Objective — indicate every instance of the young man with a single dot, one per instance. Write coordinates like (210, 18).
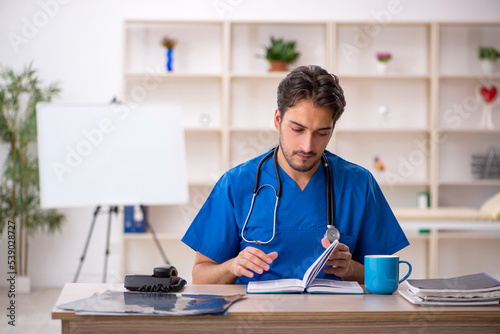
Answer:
(239, 239)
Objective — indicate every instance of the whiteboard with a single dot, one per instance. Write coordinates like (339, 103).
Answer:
(114, 154)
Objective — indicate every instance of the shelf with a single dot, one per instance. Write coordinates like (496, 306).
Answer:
(251, 129)
(405, 183)
(203, 156)
(245, 145)
(144, 23)
(228, 97)
(473, 76)
(470, 235)
(248, 38)
(472, 183)
(252, 102)
(460, 104)
(395, 131)
(202, 180)
(172, 75)
(456, 150)
(357, 46)
(201, 129)
(417, 235)
(366, 98)
(388, 76)
(469, 130)
(198, 49)
(458, 48)
(451, 226)
(259, 75)
(421, 117)
(149, 236)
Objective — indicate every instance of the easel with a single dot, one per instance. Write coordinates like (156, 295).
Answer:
(114, 209)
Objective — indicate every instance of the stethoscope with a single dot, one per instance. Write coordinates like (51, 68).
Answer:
(331, 234)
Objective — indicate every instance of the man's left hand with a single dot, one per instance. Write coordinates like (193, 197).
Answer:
(340, 260)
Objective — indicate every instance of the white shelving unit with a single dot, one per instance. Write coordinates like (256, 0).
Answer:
(459, 128)
(430, 128)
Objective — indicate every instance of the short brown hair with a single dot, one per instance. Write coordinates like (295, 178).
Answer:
(314, 84)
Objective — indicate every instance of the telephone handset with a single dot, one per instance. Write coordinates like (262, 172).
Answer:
(164, 279)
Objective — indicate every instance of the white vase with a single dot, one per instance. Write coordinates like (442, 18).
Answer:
(382, 67)
(23, 284)
(488, 117)
(487, 66)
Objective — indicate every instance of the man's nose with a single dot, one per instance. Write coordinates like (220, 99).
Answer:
(307, 143)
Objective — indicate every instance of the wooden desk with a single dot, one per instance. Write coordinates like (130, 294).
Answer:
(285, 313)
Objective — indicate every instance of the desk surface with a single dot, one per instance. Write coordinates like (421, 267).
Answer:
(285, 313)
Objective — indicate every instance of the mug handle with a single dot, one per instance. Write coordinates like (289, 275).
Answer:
(409, 271)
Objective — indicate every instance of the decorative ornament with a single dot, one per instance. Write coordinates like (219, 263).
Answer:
(383, 111)
(205, 119)
(488, 97)
(378, 164)
(169, 44)
(379, 168)
(383, 61)
(488, 94)
(486, 165)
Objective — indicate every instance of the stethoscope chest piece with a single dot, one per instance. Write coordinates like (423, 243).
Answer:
(332, 233)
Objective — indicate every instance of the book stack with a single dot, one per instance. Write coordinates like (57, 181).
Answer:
(475, 289)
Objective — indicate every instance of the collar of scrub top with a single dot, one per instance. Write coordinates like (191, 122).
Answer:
(331, 234)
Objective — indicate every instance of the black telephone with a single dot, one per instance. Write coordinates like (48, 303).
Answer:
(164, 279)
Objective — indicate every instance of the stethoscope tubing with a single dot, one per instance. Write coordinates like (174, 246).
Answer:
(260, 242)
(330, 207)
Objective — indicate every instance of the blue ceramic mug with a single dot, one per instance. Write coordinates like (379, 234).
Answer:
(382, 273)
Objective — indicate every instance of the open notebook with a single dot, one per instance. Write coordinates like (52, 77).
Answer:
(309, 283)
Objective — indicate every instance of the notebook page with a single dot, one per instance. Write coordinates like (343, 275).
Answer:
(314, 269)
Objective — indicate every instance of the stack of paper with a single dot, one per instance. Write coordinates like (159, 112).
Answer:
(476, 289)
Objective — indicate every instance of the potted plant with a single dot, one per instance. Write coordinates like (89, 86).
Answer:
(280, 53)
(169, 44)
(488, 56)
(19, 187)
(383, 59)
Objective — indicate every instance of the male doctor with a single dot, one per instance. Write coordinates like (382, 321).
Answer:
(283, 241)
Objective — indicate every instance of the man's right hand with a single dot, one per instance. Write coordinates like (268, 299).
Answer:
(251, 260)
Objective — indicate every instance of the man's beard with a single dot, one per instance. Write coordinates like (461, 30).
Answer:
(299, 168)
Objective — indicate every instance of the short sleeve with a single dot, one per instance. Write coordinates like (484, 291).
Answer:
(214, 232)
(380, 232)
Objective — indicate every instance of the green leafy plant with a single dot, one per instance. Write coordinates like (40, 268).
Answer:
(19, 187)
(280, 50)
(168, 43)
(488, 53)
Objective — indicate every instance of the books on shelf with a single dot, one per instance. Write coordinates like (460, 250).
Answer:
(309, 283)
(475, 289)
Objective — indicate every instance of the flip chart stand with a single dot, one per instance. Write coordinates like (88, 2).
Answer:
(113, 209)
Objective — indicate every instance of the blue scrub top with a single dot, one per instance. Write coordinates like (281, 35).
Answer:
(362, 215)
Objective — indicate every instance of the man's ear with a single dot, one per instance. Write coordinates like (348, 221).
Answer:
(277, 119)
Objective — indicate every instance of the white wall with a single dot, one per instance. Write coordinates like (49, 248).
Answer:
(79, 44)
